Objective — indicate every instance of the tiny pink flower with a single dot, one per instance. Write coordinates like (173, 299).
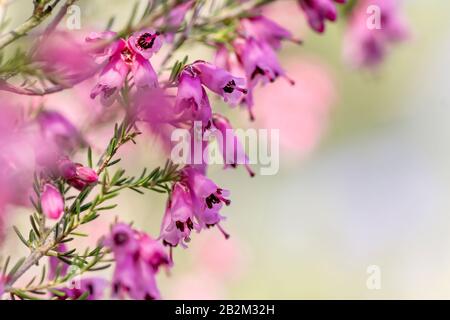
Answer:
(259, 61)
(318, 11)
(367, 47)
(207, 199)
(220, 81)
(146, 42)
(138, 259)
(266, 30)
(124, 57)
(232, 151)
(178, 219)
(192, 103)
(76, 174)
(52, 202)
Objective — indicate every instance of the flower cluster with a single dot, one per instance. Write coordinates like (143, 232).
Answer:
(138, 259)
(40, 147)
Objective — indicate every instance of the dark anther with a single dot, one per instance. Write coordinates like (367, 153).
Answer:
(146, 40)
(120, 238)
(180, 225)
(190, 224)
(229, 88)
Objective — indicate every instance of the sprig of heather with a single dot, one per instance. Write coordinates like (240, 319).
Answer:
(44, 241)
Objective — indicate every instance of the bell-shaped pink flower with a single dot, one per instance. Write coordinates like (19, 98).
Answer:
(318, 11)
(124, 57)
(232, 151)
(207, 199)
(266, 30)
(192, 103)
(138, 258)
(220, 81)
(259, 61)
(52, 202)
(178, 219)
(230, 61)
(76, 174)
(63, 56)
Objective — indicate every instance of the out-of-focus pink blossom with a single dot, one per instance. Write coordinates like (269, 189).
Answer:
(318, 11)
(178, 219)
(138, 259)
(173, 20)
(56, 128)
(52, 202)
(56, 265)
(17, 158)
(305, 112)
(64, 57)
(366, 44)
(232, 151)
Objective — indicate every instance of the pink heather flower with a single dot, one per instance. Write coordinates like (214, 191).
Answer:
(55, 264)
(230, 61)
(52, 202)
(56, 128)
(124, 57)
(94, 286)
(232, 151)
(145, 43)
(366, 47)
(207, 199)
(76, 174)
(259, 61)
(192, 102)
(64, 57)
(220, 81)
(266, 30)
(17, 156)
(318, 11)
(178, 219)
(138, 259)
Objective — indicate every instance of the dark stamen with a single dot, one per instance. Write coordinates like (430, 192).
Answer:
(146, 40)
(180, 225)
(120, 238)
